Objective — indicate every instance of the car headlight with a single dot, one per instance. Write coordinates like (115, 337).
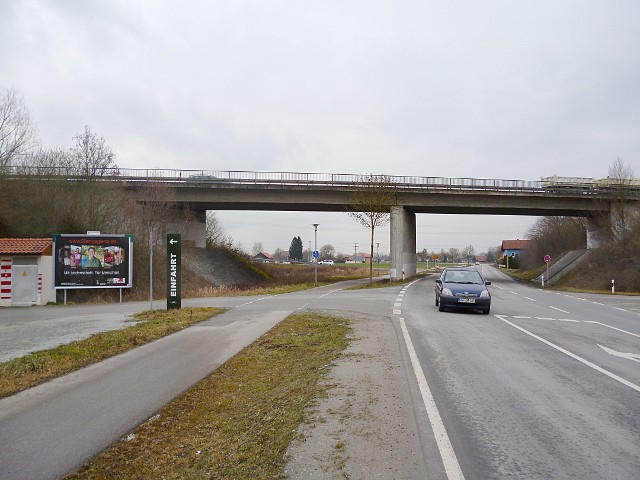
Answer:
(446, 291)
(484, 293)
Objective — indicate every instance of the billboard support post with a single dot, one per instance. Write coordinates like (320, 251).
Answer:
(174, 266)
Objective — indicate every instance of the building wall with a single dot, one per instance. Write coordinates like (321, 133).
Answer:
(45, 291)
(5, 281)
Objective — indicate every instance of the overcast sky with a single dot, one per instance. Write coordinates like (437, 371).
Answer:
(514, 89)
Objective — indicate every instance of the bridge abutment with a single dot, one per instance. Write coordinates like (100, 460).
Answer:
(594, 233)
(404, 260)
(190, 224)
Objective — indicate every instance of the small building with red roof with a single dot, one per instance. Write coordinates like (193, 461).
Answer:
(512, 248)
(264, 256)
(26, 272)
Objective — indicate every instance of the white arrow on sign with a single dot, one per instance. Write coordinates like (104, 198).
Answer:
(172, 241)
(631, 356)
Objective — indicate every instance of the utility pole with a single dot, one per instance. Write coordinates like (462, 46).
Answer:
(355, 252)
(315, 249)
(378, 251)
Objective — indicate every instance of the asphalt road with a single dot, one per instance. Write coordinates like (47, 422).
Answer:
(546, 386)
(53, 429)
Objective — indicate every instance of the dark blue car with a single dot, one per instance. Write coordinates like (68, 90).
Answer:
(462, 288)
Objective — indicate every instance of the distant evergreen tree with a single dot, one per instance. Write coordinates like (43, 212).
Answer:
(295, 250)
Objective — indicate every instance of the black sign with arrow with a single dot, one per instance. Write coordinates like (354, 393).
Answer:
(174, 263)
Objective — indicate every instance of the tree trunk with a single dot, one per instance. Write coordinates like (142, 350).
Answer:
(371, 257)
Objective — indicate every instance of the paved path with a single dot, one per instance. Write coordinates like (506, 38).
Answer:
(52, 429)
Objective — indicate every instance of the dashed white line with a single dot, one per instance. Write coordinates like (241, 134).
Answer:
(532, 299)
(558, 309)
(621, 309)
(449, 459)
(573, 355)
(514, 293)
(521, 317)
(544, 318)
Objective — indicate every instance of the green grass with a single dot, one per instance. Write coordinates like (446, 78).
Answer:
(238, 422)
(39, 367)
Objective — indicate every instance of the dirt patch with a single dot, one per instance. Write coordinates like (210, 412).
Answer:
(365, 428)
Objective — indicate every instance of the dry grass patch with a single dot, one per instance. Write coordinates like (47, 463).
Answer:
(385, 282)
(238, 422)
(235, 291)
(39, 367)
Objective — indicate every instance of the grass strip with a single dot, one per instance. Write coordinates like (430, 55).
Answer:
(238, 422)
(385, 282)
(38, 367)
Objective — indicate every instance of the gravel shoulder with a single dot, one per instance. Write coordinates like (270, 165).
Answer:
(365, 428)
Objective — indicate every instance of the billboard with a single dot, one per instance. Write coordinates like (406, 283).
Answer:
(92, 261)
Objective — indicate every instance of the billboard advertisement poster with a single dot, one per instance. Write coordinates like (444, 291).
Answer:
(93, 261)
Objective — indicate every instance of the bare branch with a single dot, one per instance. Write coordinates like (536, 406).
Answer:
(17, 135)
(371, 206)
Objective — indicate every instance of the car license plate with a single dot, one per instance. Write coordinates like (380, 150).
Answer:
(466, 300)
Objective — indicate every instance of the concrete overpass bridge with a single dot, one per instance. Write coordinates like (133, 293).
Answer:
(197, 191)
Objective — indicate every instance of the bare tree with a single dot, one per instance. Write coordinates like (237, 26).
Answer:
(468, 252)
(92, 157)
(17, 134)
(623, 213)
(371, 206)
(257, 248)
(327, 251)
(215, 233)
(553, 236)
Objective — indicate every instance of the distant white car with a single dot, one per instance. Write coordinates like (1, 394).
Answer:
(325, 262)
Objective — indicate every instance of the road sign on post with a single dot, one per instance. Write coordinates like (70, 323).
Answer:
(174, 264)
(547, 259)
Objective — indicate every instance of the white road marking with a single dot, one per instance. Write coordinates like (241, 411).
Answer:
(449, 459)
(568, 320)
(598, 303)
(533, 300)
(397, 312)
(397, 304)
(621, 309)
(558, 309)
(629, 356)
(512, 292)
(522, 317)
(573, 355)
(544, 318)
(614, 328)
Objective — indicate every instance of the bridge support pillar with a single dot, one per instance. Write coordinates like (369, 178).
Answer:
(190, 224)
(404, 260)
(594, 234)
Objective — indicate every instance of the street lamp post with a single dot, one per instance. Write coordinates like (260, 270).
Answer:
(378, 251)
(315, 249)
(355, 252)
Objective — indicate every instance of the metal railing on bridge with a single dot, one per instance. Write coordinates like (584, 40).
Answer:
(217, 178)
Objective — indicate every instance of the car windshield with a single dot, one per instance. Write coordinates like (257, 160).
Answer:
(463, 276)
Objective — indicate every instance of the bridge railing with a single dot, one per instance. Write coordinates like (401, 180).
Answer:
(317, 180)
